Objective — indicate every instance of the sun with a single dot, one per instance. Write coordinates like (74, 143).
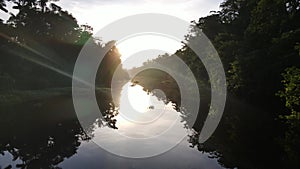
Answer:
(158, 44)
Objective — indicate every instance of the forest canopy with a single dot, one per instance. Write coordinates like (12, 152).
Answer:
(258, 42)
(40, 44)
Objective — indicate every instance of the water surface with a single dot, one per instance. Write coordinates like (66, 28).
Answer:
(47, 134)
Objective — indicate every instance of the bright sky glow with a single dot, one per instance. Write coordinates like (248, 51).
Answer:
(154, 43)
(99, 13)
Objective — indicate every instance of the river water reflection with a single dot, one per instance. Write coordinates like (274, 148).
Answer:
(145, 125)
(47, 134)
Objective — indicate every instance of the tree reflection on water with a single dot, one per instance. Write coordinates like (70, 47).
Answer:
(43, 134)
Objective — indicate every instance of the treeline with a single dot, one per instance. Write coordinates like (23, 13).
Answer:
(40, 44)
(258, 42)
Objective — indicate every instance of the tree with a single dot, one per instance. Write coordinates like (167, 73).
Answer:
(41, 43)
(291, 95)
(291, 92)
(3, 6)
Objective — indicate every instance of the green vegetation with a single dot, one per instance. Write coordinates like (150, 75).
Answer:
(258, 43)
(39, 46)
(291, 92)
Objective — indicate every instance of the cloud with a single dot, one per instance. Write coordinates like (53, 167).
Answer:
(186, 9)
(99, 13)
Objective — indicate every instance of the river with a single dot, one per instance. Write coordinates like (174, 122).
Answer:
(47, 134)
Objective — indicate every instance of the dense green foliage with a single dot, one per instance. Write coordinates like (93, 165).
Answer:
(291, 92)
(258, 43)
(39, 46)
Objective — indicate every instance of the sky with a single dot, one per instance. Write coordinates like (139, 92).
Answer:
(100, 13)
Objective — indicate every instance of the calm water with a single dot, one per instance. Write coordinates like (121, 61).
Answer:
(47, 134)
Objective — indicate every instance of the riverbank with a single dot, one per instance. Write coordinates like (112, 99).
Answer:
(23, 96)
